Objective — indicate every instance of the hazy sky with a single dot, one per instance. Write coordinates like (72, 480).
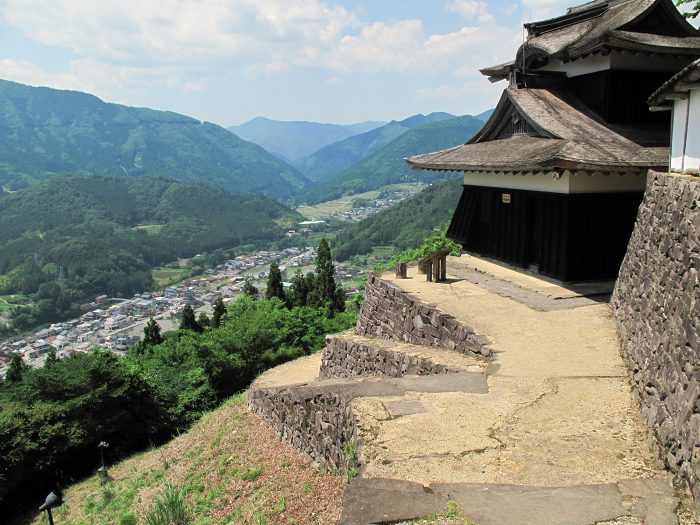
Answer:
(227, 61)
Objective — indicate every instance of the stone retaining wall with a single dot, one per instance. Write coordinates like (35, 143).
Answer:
(656, 303)
(347, 358)
(390, 313)
(320, 423)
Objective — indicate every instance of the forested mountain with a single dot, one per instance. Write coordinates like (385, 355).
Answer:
(403, 226)
(46, 132)
(71, 237)
(386, 166)
(334, 158)
(294, 139)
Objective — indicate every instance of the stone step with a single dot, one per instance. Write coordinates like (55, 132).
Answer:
(348, 355)
(640, 501)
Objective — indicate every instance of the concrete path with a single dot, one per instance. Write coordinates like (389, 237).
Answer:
(546, 434)
(558, 411)
(646, 502)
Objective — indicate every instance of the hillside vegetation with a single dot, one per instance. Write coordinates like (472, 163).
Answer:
(229, 468)
(53, 418)
(294, 139)
(71, 237)
(48, 132)
(387, 165)
(403, 226)
(334, 158)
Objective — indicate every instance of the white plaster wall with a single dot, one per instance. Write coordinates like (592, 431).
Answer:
(568, 182)
(679, 121)
(582, 182)
(692, 146)
(616, 60)
(590, 64)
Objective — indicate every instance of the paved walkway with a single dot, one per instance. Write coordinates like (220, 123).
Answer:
(547, 433)
(558, 410)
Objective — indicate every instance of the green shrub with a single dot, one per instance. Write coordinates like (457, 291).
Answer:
(169, 508)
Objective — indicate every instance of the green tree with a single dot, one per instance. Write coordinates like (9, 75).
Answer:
(151, 333)
(17, 369)
(326, 292)
(249, 288)
(219, 313)
(695, 9)
(188, 321)
(275, 288)
(203, 320)
(301, 286)
(51, 358)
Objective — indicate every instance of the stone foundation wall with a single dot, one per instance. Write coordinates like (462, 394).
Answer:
(318, 422)
(656, 303)
(347, 358)
(390, 313)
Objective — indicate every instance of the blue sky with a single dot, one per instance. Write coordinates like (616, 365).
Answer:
(226, 61)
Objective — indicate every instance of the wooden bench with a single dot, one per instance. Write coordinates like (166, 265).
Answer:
(434, 265)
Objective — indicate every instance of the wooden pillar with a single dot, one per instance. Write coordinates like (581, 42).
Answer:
(401, 272)
(429, 270)
(443, 268)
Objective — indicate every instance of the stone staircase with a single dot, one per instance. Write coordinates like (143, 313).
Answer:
(413, 403)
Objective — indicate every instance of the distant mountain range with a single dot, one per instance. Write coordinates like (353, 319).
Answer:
(292, 140)
(334, 158)
(46, 132)
(386, 165)
(485, 115)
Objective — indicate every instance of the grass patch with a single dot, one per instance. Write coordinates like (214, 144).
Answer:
(452, 516)
(240, 480)
(164, 277)
(169, 508)
(149, 228)
(343, 204)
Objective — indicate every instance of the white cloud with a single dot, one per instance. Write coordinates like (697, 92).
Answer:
(534, 10)
(120, 48)
(472, 10)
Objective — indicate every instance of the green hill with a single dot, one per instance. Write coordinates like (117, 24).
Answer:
(386, 166)
(47, 132)
(334, 158)
(70, 237)
(403, 226)
(294, 139)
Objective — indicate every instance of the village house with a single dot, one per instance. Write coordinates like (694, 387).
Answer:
(553, 180)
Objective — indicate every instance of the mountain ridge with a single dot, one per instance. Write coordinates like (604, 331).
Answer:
(71, 132)
(386, 165)
(293, 139)
(334, 158)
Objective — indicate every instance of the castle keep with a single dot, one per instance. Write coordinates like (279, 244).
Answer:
(553, 181)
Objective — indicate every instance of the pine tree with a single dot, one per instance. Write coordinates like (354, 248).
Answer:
(151, 333)
(51, 358)
(219, 313)
(249, 288)
(203, 320)
(275, 288)
(301, 285)
(188, 321)
(326, 290)
(16, 370)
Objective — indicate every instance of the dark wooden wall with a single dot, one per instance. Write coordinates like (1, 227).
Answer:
(620, 97)
(568, 237)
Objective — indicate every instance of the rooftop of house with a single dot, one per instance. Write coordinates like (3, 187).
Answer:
(639, 26)
(561, 133)
(680, 82)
